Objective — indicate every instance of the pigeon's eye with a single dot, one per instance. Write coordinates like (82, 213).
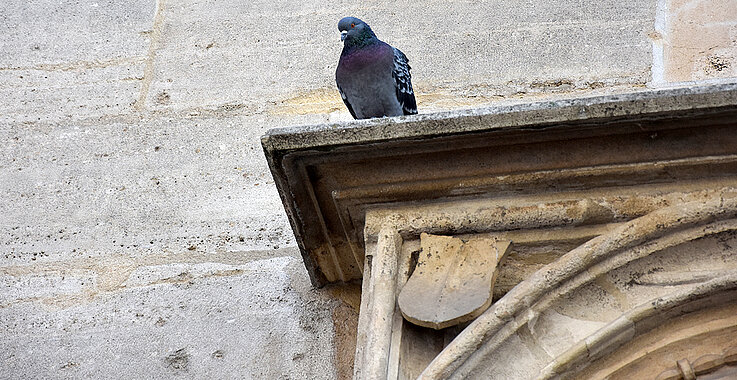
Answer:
(353, 25)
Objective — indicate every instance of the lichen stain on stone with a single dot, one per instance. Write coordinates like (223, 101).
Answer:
(321, 100)
(348, 293)
(163, 98)
(327, 100)
(716, 64)
(640, 205)
(345, 325)
(178, 360)
(67, 301)
(439, 100)
(432, 97)
(558, 84)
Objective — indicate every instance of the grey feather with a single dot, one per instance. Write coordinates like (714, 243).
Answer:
(403, 82)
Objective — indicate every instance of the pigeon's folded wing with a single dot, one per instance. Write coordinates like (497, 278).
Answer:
(403, 83)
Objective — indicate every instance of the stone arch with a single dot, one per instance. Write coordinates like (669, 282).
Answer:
(652, 271)
(692, 326)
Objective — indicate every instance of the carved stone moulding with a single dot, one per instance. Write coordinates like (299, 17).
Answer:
(329, 175)
(657, 242)
(603, 229)
(620, 305)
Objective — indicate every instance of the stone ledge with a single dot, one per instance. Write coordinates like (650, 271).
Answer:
(683, 100)
(329, 175)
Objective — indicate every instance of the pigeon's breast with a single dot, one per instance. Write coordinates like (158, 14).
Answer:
(369, 57)
(365, 79)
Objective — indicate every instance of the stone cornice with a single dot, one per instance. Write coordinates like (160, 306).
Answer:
(328, 176)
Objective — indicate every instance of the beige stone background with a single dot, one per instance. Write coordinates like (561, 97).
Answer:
(699, 39)
(141, 234)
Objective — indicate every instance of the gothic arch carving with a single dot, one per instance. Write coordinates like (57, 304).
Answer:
(547, 325)
(643, 184)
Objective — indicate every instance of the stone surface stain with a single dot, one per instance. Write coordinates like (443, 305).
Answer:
(178, 360)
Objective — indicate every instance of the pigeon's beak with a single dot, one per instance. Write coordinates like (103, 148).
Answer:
(343, 34)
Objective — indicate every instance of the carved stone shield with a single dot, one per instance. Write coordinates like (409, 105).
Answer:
(453, 280)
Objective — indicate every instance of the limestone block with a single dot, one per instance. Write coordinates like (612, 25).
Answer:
(453, 281)
(63, 59)
(700, 40)
(81, 190)
(213, 54)
(251, 320)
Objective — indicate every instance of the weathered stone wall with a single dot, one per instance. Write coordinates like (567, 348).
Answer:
(140, 231)
(695, 40)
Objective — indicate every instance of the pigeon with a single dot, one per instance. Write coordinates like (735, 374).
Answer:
(373, 77)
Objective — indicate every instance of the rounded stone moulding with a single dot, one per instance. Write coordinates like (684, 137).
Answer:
(621, 305)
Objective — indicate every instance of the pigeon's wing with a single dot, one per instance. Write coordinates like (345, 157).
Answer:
(347, 104)
(403, 83)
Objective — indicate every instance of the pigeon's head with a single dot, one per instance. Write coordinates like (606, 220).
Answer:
(354, 30)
